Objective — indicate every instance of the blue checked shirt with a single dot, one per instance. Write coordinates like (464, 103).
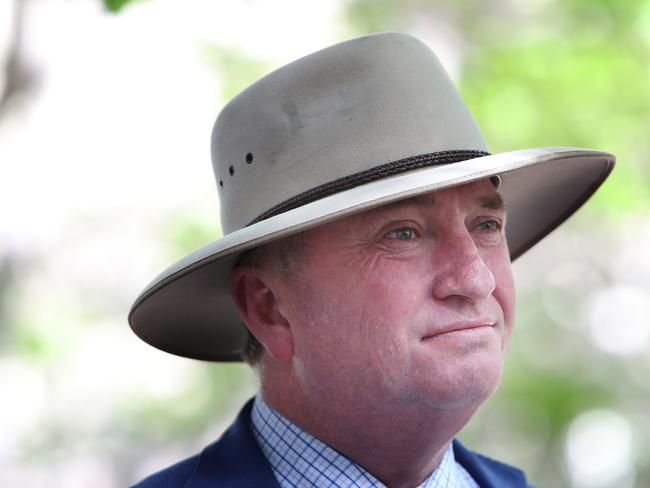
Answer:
(298, 459)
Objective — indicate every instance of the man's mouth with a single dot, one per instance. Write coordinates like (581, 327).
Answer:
(462, 327)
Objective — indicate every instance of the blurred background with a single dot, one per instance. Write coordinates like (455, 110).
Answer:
(105, 179)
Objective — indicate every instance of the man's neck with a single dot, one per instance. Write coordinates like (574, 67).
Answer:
(400, 446)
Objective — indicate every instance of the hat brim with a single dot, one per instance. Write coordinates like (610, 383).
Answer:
(187, 310)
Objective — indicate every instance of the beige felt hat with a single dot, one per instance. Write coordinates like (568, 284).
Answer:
(353, 126)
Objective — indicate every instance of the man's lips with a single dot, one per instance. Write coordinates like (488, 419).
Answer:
(460, 326)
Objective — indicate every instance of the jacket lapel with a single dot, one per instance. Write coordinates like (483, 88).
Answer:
(487, 472)
(234, 461)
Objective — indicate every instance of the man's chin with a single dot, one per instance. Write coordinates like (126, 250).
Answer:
(466, 386)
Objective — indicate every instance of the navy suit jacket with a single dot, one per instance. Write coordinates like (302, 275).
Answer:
(236, 461)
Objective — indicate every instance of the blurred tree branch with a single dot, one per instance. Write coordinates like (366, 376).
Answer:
(18, 78)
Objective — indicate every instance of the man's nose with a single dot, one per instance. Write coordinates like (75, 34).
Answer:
(460, 270)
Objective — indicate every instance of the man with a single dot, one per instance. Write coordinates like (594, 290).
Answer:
(367, 254)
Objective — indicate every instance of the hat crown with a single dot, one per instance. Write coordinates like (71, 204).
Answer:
(333, 114)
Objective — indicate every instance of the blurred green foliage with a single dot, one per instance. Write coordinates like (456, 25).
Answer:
(206, 397)
(558, 92)
(186, 232)
(368, 16)
(236, 68)
(116, 6)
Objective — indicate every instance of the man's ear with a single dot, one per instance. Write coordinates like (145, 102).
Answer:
(260, 311)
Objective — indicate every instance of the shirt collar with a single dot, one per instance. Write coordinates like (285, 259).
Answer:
(299, 459)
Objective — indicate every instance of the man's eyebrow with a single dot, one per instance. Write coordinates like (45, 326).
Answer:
(492, 202)
(426, 200)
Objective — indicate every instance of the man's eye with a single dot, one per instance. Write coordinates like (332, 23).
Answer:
(490, 226)
(403, 234)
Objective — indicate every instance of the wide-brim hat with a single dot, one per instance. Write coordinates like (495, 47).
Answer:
(351, 127)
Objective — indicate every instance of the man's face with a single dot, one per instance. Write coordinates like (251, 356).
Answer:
(411, 303)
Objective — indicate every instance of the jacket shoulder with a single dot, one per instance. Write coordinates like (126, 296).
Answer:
(172, 476)
(488, 472)
(233, 461)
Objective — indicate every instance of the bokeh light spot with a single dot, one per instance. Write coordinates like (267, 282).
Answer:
(619, 319)
(599, 449)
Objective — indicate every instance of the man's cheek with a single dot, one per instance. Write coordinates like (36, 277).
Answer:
(504, 294)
